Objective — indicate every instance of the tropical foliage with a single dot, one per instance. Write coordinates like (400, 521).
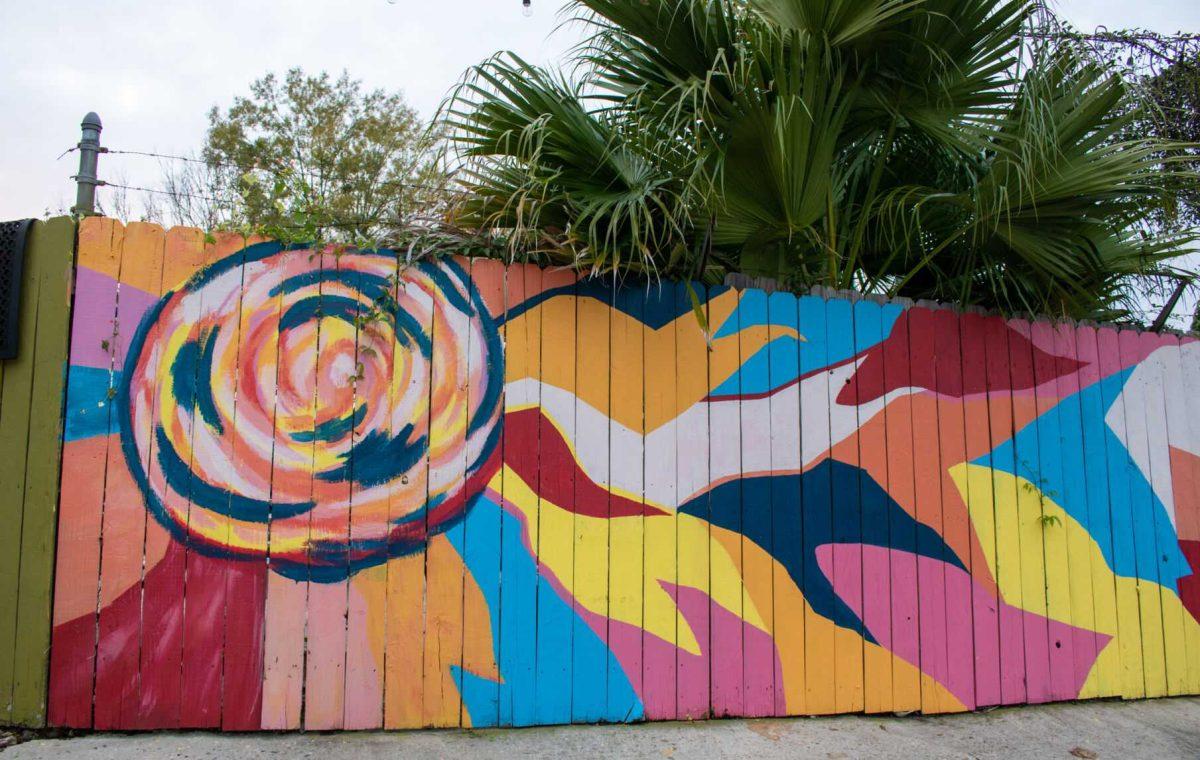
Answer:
(922, 148)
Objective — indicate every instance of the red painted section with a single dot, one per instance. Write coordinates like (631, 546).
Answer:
(162, 641)
(146, 672)
(869, 382)
(529, 430)
(1189, 585)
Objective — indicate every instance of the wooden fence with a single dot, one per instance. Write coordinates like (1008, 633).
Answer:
(332, 489)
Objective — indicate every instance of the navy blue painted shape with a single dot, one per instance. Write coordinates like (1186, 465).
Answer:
(864, 519)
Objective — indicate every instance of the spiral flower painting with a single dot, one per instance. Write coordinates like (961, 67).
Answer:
(333, 488)
(299, 395)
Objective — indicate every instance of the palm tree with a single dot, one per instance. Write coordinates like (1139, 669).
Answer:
(910, 147)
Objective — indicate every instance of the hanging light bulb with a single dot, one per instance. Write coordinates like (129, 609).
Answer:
(526, 8)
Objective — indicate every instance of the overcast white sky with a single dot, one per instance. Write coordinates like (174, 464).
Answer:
(153, 68)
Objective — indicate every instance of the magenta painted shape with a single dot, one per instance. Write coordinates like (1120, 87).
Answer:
(960, 588)
(92, 324)
(633, 647)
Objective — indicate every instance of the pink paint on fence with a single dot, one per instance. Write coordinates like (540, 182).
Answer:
(958, 585)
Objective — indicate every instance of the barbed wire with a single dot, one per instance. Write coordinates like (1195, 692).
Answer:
(338, 223)
(256, 167)
(229, 204)
(172, 193)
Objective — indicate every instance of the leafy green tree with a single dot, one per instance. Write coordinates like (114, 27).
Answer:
(915, 148)
(306, 156)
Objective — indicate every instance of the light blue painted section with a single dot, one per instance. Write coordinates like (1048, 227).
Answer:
(1139, 518)
(868, 325)
(88, 402)
(1093, 452)
(516, 610)
(482, 531)
(751, 310)
(814, 350)
(839, 330)
(755, 376)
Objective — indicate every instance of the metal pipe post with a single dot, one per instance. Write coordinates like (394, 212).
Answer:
(89, 159)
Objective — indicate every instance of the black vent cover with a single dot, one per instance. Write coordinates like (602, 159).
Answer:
(12, 257)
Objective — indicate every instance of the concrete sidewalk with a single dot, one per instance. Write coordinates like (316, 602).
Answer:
(1165, 728)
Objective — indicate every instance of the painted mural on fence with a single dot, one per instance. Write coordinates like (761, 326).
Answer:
(333, 489)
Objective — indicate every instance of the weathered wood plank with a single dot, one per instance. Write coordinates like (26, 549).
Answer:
(901, 484)
(589, 681)
(47, 274)
(787, 517)
(816, 496)
(977, 491)
(661, 552)
(693, 697)
(1141, 499)
(626, 559)
(727, 689)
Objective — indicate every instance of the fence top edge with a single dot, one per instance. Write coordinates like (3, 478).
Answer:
(737, 281)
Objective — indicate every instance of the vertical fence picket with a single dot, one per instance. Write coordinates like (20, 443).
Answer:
(901, 486)
(589, 673)
(1030, 532)
(1073, 500)
(30, 398)
(516, 594)
(1046, 477)
(1004, 488)
(931, 579)
(845, 503)
(758, 656)
(314, 709)
(660, 635)
(875, 580)
(693, 696)
(786, 527)
(816, 497)
(956, 526)
(18, 377)
(1094, 477)
(978, 485)
(626, 559)
(1125, 554)
(482, 531)
(51, 247)
(556, 476)
(725, 463)
(81, 511)
(366, 592)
